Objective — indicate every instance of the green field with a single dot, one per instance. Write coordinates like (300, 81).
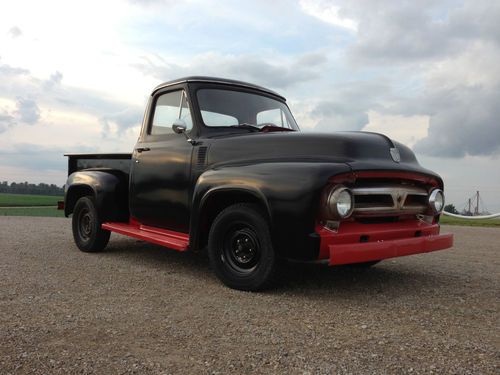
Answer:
(31, 211)
(29, 205)
(447, 220)
(17, 200)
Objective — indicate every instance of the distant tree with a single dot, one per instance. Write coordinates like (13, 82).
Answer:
(27, 188)
(450, 208)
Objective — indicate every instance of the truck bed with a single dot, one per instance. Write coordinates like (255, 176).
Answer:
(118, 161)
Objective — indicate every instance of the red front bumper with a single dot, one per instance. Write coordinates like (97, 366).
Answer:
(356, 243)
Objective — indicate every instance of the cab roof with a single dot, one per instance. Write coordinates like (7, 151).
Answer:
(223, 81)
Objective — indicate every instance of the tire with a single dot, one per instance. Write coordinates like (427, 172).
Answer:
(240, 250)
(86, 223)
(363, 264)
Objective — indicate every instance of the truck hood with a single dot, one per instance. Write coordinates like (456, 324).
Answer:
(359, 150)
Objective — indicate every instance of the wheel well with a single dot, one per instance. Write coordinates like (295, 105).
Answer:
(218, 202)
(74, 193)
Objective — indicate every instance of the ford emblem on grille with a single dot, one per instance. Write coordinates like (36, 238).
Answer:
(395, 155)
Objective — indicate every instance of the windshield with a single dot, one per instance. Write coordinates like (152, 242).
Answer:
(229, 108)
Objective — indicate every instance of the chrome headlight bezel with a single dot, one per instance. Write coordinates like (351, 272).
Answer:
(436, 201)
(334, 199)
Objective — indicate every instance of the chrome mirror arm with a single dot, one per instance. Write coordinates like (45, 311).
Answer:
(179, 127)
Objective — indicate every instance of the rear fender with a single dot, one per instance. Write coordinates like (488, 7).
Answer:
(109, 190)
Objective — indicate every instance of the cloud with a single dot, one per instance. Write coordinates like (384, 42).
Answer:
(467, 122)
(415, 31)
(37, 157)
(15, 32)
(146, 3)
(432, 59)
(6, 121)
(311, 59)
(7, 70)
(50, 94)
(54, 80)
(270, 72)
(348, 105)
(121, 121)
(27, 111)
(328, 12)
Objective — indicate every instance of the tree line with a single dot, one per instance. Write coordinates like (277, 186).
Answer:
(27, 188)
(451, 208)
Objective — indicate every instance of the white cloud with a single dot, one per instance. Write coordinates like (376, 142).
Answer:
(85, 41)
(404, 129)
(274, 71)
(15, 32)
(440, 60)
(328, 12)
(27, 110)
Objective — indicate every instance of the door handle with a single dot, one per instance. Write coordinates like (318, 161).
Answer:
(141, 149)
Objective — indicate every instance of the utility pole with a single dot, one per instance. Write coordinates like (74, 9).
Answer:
(469, 212)
(476, 211)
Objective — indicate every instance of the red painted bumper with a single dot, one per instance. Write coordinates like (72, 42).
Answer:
(356, 243)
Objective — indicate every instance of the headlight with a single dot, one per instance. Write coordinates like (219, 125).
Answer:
(436, 200)
(340, 203)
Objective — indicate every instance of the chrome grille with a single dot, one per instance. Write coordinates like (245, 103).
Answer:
(389, 200)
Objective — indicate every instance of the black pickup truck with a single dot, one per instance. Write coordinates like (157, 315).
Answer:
(221, 166)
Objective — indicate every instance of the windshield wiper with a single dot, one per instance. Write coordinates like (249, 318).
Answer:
(273, 128)
(246, 126)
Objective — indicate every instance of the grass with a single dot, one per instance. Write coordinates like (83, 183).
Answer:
(17, 200)
(29, 205)
(447, 220)
(31, 211)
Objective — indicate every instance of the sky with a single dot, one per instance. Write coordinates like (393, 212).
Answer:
(75, 76)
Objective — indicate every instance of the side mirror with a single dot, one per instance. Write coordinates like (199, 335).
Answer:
(179, 126)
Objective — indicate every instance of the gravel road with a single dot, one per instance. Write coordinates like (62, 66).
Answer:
(138, 308)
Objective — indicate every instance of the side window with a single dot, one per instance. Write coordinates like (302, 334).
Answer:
(273, 116)
(170, 107)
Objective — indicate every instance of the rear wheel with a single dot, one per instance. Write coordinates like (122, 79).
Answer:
(240, 249)
(87, 231)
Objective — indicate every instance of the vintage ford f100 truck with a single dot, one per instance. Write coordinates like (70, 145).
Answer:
(221, 165)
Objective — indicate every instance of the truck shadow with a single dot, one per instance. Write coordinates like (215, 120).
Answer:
(401, 278)
(386, 279)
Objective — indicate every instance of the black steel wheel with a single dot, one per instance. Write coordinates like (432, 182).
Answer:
(87, 231)
(240, 249)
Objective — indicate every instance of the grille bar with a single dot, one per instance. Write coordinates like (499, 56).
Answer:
(389, 200)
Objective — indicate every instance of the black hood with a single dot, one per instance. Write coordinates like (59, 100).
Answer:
(359, 150)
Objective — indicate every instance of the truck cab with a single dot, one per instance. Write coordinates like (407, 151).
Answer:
(222, 166)
(166, 165)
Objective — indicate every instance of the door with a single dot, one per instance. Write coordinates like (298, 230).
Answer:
(160, 175)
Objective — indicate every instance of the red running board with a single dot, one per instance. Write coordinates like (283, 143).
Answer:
(173, 240)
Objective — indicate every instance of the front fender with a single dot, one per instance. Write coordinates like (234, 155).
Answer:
(242, 189)
(288, 192)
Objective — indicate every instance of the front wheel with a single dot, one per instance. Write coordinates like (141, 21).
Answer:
(240, 249)
(87, 231)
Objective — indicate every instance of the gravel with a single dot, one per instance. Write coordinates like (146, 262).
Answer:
(138, 308)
